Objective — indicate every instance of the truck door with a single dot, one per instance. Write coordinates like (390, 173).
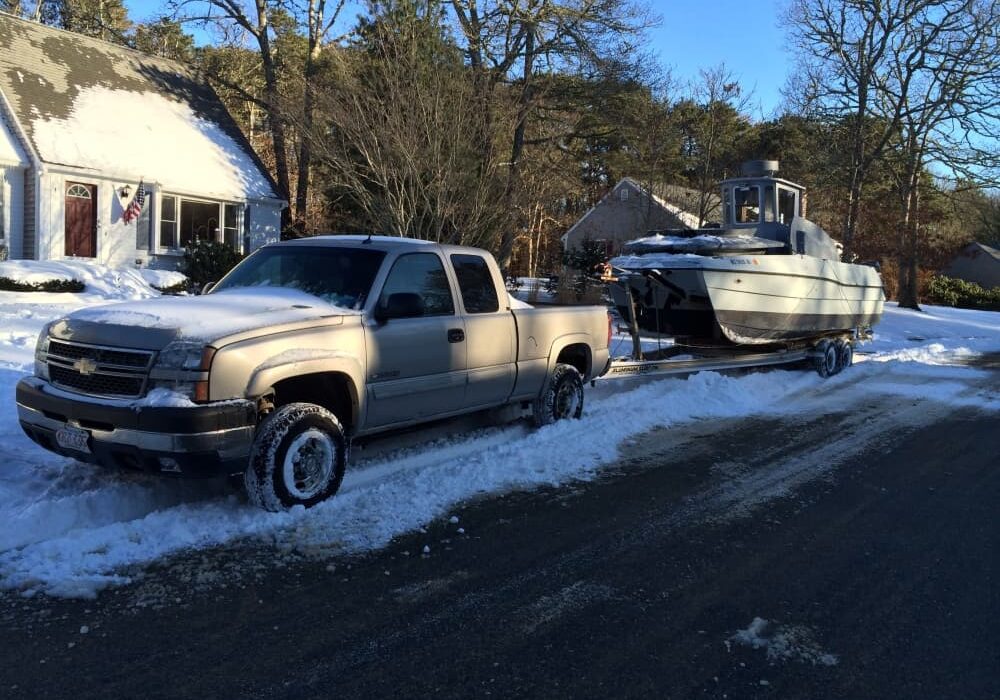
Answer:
(417, 357)
(490, 334)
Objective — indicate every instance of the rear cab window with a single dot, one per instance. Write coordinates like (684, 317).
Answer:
(475, 282)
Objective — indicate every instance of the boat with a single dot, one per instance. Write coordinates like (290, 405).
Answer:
(765, 275)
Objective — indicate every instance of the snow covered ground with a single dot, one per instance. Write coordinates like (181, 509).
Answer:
(72, 529)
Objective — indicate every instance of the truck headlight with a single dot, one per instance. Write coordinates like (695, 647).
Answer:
(42, 352)
(186, 363)
(183, 354)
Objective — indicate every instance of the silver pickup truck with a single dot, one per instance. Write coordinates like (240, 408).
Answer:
(300, 348)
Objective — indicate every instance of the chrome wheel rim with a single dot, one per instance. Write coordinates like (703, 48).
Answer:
(308, 464)
(567, 401)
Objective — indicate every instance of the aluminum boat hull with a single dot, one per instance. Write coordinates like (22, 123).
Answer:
(748, 299)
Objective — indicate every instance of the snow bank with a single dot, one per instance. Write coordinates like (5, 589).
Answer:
(109, 283)
(72, 529)
(162, 279)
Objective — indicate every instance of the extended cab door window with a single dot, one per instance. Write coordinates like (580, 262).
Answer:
(479, 293)
(490, 335)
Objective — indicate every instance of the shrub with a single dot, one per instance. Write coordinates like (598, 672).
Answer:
(72, 286)
(948, 291)
(208, 261)
(174, 289)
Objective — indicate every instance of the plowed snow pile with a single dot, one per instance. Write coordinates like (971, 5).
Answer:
(71, 529)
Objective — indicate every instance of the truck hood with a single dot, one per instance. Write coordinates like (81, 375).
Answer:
(153, 323)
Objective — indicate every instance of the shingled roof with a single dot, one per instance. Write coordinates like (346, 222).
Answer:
(88, 104)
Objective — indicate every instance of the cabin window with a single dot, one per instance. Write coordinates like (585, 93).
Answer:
(184, 221)
(786, 205)
(747, 201)
(623, 194)
(769, 203)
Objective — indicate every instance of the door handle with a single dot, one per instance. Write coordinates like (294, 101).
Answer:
(456, 335)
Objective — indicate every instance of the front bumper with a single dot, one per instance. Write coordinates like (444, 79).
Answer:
(204, 440)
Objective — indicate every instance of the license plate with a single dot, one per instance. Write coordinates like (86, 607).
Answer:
(73, 439)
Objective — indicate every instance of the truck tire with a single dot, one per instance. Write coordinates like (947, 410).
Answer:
(298, 458)
(561, 398)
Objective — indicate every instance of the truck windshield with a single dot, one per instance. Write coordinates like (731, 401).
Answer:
(339, 276)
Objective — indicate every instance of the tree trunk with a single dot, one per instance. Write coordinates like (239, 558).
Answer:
(509, 236)
(305, 141)
(272, 98)
(906, 292)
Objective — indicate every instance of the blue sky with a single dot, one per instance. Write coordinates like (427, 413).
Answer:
(693, 35)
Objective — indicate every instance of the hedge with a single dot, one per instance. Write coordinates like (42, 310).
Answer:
(9, 285)
(948, 291)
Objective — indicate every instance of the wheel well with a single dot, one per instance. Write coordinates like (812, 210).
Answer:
(332, 390)
(577, 355)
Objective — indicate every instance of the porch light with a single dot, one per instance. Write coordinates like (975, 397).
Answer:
(124, 192)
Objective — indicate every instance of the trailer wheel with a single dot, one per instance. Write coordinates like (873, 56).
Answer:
(845, 355)
(826, 359)
(298, 458)
(561, 398)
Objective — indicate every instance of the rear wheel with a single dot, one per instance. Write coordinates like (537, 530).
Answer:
(845, 355)
(825, 359)
(561, 398)
(298, 458)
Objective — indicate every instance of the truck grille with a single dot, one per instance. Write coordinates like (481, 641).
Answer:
(97, 370)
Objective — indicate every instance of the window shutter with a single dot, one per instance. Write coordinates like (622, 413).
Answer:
(144, 225)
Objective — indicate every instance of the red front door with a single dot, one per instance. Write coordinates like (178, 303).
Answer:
(81, 220)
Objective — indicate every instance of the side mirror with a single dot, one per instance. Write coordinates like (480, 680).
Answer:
(400, 305)
(208, 286)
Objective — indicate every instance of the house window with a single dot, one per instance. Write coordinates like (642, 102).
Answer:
(184, 221)
(168, 222)
(79, 191)
(623, 194)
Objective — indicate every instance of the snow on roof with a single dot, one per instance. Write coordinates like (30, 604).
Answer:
(96, 106)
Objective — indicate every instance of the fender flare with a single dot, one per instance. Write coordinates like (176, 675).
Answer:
(273, 371)
(564, 341)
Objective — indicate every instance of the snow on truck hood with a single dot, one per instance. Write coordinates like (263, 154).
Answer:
(151, 324)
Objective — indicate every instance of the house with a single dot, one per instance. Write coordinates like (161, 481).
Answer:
(977, 263)
(83, 122)
(630, 210)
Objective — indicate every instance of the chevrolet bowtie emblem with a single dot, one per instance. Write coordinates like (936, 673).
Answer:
(85, 366)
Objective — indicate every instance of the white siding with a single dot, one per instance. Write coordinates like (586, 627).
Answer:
(12, 214)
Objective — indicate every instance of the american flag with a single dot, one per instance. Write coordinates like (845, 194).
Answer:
(135, 206)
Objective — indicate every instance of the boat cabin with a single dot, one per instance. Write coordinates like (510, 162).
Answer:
(759, 197)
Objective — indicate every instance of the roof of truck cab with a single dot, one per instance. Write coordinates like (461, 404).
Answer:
(385, 243)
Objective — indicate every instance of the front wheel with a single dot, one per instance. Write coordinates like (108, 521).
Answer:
(298, 458)
(561, 398)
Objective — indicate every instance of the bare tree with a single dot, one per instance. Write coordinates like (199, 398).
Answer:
(916, 77)
(235, 19)
(844, 47)
(404, 140)
(516, 42)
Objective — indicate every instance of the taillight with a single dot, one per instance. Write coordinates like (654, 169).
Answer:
(609, 330)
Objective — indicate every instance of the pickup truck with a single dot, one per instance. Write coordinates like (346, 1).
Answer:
(302, 347)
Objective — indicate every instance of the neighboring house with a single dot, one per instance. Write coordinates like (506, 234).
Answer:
(83, 122)
(630, 210)
(977, 263)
